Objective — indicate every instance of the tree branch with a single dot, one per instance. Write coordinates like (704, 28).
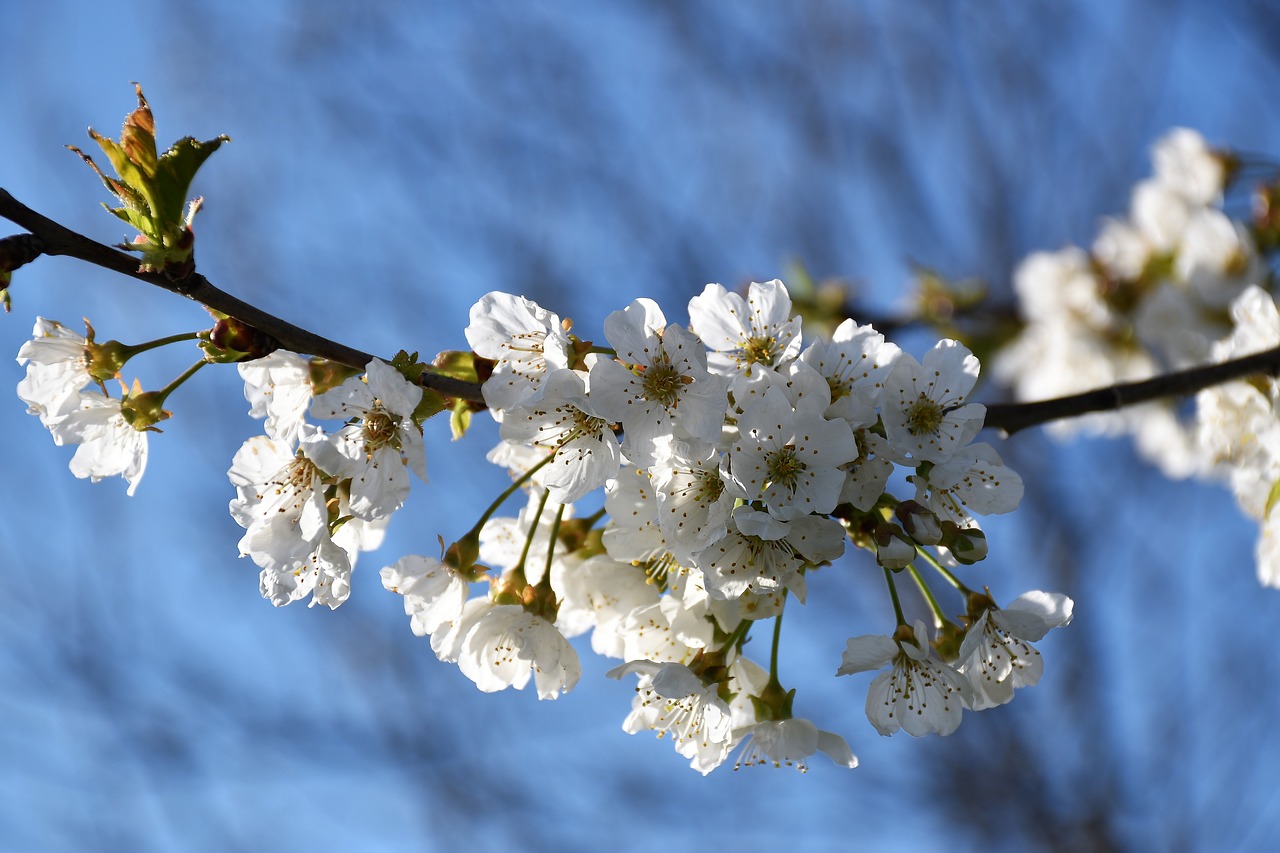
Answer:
(50, 238)
(1011, 417)
(55, 239)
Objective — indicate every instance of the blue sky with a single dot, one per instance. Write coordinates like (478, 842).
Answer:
(392, 163)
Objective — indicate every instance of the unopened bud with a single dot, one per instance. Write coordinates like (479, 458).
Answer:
(919, 522)
(231, 340)
(893, 549)
(969, 545)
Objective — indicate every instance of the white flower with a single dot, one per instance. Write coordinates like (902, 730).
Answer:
(668, 390)
(1268, 552)
(919, 694)
(526, 340)
(632, 534)
(997, 656)
(108, 444)
(324, 574)
(855, 364)
(565, 420)
(278, 388)
(789, 460)
(505, 645)
(1186, 164)
(600, 594)
(791, 742)
(762, 554)
(378, 442)
(746, 336)
(670, 698)
(974, 481)
(434, 594)
(868, 475)
(925, 416)
(692, 504)
(280, 502)
(57, 368)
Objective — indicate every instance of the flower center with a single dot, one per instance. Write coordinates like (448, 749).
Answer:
(379, 428)
(661, 384)
(708, 487)
(923, 416)
(784, 467)
(760, 350)
(584, 426)
(840, 388)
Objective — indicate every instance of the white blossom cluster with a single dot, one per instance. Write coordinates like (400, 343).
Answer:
(1238, 426)
(1151, 295)
(735, 461)
(1176, 284)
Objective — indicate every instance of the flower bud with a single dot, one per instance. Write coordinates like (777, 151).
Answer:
(969, 545)
(231, 340)
(919, 522)
(893, 549)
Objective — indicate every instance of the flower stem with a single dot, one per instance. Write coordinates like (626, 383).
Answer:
(164, 392)
(533, 528)
(551, 543)
(942, 570)
(938, 616)
(893, 593)
(161, 342)
(502, 498)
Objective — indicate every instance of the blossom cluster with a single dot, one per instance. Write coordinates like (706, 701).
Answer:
(1175, 284)
(734, 460)
(1152, 294)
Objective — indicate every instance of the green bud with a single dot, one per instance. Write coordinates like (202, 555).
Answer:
(969, 545)
(919, 522)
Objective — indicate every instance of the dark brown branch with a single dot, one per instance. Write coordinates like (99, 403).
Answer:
(1011, 417)
(55, 239)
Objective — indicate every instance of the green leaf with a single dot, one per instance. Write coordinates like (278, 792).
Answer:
(431, 404)
(153, 188)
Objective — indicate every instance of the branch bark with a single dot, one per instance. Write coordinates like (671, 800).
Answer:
(56, 239)
(1011, 417)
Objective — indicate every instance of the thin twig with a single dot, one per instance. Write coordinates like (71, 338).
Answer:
(56, 239)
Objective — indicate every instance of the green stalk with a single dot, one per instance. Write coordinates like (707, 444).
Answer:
(893, 593)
